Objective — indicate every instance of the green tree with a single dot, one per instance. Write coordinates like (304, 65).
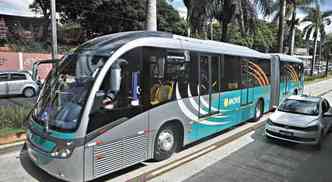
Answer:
(318, 20)
(169, 19)
(43, 7)
(244, 12)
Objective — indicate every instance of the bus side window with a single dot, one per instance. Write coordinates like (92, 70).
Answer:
(231, 76)
(119, 96)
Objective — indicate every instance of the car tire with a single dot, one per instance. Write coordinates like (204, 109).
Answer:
(166, 142)
(258, 110)
(29, 92)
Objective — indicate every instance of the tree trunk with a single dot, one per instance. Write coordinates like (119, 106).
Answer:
(314, 55)
(205, 29)
(211, 30)
(327, 61)
(293, 28)
(151, 15)
(45, 31)
(188, 31)
(281, 25)
(224, 31)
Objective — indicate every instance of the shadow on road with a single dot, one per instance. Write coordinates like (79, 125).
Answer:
(32, 169)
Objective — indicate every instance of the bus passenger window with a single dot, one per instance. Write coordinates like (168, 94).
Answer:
(119, 96)
(231, 76)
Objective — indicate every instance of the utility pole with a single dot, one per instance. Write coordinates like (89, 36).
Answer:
(54, 32)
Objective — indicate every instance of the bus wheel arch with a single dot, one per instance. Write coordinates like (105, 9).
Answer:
(173, 130)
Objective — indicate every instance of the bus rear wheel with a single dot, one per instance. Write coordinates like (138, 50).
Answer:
(258, 110)
(166, 142)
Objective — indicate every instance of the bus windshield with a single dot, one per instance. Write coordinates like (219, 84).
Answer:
(65, 91)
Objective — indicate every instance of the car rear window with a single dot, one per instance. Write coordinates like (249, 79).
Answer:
(17, 77)
(3, 77)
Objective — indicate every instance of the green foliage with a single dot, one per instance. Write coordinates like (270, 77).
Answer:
(3, 42)
(169, 19)
(13, 117)
(8, 131)
(99, 17)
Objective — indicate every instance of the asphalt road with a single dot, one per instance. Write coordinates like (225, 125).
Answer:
(271, 161)
(257, 159)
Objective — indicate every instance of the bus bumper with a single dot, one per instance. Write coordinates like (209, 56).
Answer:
(69, 169)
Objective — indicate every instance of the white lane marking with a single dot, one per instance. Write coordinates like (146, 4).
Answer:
(189, 169)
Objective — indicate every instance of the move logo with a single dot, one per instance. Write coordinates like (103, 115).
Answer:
(231, 101)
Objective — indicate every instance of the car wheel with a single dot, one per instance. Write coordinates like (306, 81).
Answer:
(258, 110)
(29, 92)
(166, 142)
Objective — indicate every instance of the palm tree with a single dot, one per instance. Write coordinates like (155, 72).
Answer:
(188, 4)
(281, 32)
(317, 21)
(296, 21)
(151, 15)
(243, 11)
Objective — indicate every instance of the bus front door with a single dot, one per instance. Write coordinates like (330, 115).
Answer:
(209, 85)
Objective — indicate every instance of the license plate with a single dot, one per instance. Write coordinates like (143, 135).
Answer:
(286, 133)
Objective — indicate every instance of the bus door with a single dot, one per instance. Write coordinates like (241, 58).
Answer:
(209, 85)
(247, 90)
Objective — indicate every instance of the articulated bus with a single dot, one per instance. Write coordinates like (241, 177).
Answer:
(124, 98)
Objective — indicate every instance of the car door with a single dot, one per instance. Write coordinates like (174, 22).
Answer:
(16, 83)
(3, 84)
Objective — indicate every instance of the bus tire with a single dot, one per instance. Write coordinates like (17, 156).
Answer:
(166, 142)
(258, 110)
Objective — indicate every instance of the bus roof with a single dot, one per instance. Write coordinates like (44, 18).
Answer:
(288, 58)
(104, 45)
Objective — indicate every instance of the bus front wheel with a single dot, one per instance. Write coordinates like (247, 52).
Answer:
(166, 142)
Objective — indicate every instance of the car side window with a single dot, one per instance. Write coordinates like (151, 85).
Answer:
(3, 77)
(15, 76)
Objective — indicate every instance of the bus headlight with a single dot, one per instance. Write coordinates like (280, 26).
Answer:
(63, 151)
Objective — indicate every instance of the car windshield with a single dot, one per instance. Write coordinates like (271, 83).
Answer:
(299, 107)
(65, 91)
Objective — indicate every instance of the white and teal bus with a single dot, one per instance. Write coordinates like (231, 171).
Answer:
(124, 98)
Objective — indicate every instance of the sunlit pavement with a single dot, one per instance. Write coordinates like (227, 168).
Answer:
(249, 158)
(258, 160)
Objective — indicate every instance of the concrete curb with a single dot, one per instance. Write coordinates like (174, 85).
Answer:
(6, 148)
(190, 154)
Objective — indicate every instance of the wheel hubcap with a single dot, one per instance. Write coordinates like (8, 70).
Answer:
(29, 92)
(166, 140)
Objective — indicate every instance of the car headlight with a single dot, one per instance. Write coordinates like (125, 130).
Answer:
(63, 151)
